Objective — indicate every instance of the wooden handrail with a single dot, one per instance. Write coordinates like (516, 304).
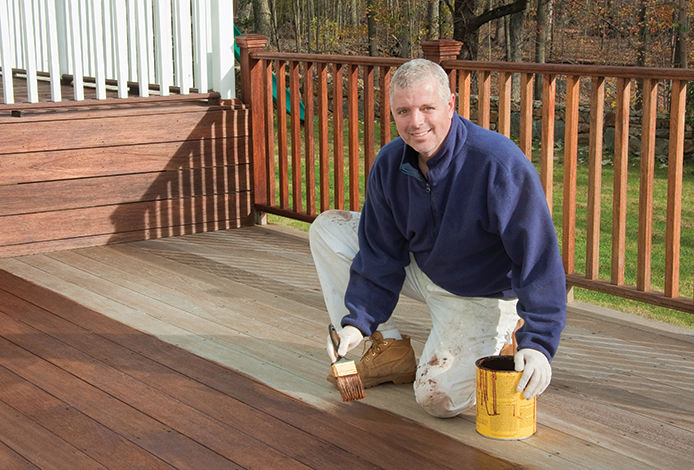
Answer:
(360, 94)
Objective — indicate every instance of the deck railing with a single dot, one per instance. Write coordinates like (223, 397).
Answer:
(155, 46)
(305, 166)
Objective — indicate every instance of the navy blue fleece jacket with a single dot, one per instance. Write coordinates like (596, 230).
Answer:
(478, 226)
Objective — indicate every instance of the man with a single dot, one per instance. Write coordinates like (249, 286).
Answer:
(455, 216)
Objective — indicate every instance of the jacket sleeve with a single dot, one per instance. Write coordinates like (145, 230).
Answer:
(378, 270)
(519, 208)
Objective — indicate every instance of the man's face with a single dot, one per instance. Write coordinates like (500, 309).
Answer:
(422, 117)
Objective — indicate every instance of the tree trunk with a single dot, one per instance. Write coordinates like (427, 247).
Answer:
(543, 8)
(371, 27)
(445, 20)
(261, 13)
(433, 20)
(355, 16)
(515, 34)
(681, 32)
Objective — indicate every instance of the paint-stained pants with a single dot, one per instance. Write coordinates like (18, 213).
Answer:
(463, 328)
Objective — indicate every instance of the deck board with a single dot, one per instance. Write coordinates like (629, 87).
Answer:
(81, 390)
(248, 300)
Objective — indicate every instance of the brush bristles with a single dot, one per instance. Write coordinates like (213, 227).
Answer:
(348, 381)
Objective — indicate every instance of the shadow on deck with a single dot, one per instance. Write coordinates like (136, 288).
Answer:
(76, 384)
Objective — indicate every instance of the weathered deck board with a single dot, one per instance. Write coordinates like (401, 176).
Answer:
(248, 298)
(80, 390)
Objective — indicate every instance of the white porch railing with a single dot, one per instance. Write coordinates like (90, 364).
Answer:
(156, 44)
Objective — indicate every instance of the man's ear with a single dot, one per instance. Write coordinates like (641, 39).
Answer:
(451, 105)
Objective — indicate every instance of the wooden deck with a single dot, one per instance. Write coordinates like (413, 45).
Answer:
(80, 390)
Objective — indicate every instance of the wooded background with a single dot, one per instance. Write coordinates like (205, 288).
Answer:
(651, 33)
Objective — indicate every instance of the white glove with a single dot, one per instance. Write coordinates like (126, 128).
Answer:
(537, 372)
(350, 337)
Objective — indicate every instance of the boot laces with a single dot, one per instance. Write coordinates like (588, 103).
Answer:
(375, 346)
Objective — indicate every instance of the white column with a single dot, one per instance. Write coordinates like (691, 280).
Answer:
(222, 19)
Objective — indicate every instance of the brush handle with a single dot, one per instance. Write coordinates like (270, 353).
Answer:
(335, 338)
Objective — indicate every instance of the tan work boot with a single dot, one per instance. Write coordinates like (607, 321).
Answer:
(386, 360)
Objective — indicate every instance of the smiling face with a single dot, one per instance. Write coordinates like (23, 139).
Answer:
(422, 116)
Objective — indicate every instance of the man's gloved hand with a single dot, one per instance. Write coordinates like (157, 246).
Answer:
(350, 337)
(537, 372)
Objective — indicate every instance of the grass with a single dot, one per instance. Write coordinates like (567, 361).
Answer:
(659, 223)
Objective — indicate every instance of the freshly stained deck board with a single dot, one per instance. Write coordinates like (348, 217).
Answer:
(249, 299)
(72, 376)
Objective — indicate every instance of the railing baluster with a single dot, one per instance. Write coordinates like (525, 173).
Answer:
(338, 139)
(369, 124)
(570, 164)
(647, 172)
(142, 63)
(296, 130)
(5, 56)
(353, 134)
(200, 46)
(323, 137)
(597, 119)
(119, 13)
(385, 105)
(678, 97)
(549, 84)
(77, 71)
(98, 44)
(184, 58)
(162, 30)
(484, 97)
(53, 54)
(526, 115)
(309, 143)
(269, 134)
(621, 161)
(504, 107)
(464, 93)
(282, 134)
(28, 23)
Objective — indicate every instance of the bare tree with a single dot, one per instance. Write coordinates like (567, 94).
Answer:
(466, 23)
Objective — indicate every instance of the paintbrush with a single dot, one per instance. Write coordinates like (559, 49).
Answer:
(345, 371)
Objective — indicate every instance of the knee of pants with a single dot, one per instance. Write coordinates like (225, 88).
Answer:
(331, 222)
(443, 401)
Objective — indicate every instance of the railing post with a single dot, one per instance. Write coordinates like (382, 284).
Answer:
(252, 93)
(440, 50)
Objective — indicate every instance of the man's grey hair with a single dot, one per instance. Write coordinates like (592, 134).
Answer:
(417, 70)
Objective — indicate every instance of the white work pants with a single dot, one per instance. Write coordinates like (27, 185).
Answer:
(463, 328)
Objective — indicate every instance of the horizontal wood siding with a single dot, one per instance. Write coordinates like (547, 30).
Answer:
(104, 174)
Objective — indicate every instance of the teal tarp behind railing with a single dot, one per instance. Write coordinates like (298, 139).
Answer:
(237, 54)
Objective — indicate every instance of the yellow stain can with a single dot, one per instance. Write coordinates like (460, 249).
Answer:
(502, 412)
